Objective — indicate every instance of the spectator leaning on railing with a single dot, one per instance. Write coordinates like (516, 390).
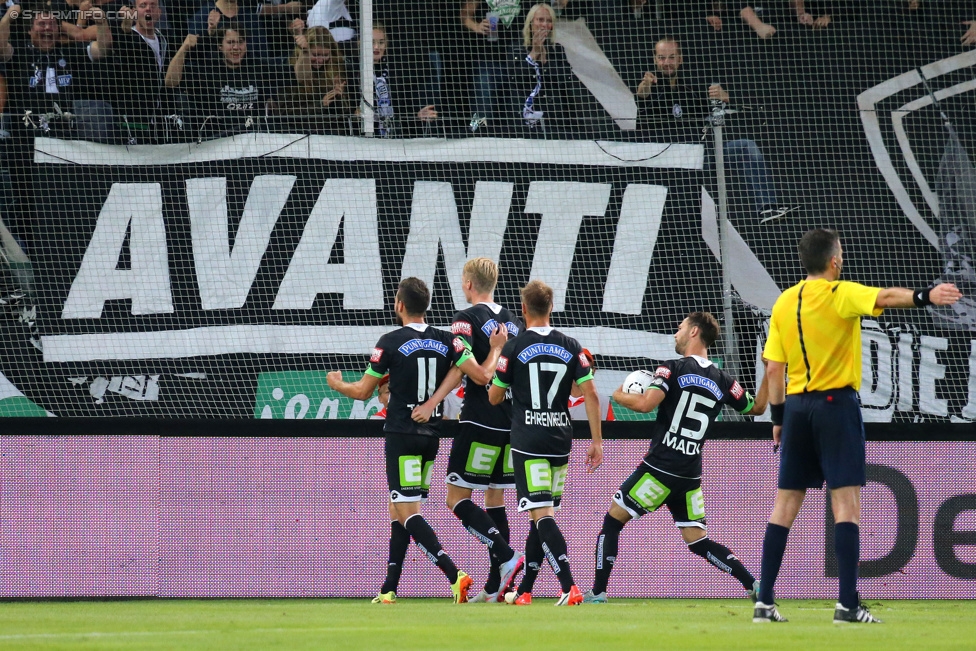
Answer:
(493, 29)
(746, 12)
(670, 110)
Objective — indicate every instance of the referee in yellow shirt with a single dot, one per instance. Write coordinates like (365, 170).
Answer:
(815, 336)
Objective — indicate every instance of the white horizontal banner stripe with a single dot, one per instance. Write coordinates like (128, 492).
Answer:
(296, 340)
(346, 148)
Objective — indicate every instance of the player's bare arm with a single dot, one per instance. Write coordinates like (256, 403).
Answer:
(362, 389)
(496, 394)
(762, 397)
(900, 297)
(594, 455)
(643, 403)
(422, 413)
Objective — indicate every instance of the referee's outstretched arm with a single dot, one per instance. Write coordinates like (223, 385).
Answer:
(944, 294)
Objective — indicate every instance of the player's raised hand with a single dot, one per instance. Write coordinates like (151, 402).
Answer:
(498, 336)
(944, 294)
(334, 378)
(422, 413)
(594, 456)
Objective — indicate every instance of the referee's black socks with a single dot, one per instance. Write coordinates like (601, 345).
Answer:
(480, 525)
(774, 546)
(847, 545)
(554, 548)
(427, 541)
(399, 543)
(606, 552)
(721, 557)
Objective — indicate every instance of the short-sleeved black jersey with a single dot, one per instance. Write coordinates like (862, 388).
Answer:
(540, 366)
(696, 390)
(417, 357)
(474, 326)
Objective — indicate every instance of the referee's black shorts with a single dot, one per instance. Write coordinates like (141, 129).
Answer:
(823, 439)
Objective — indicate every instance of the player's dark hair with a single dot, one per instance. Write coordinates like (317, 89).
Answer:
(414, 295)
(537, 297)
(816, 248)
(708, 328)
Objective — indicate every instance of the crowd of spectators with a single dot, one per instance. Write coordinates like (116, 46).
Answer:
(162, 71)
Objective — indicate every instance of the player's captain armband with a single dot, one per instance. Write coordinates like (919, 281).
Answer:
(662, 371)
(459, 345)
(736, 390)
(377, 355)
(461, 328)
(502, 364)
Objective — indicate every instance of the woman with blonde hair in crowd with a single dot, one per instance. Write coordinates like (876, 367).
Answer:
(317, 91)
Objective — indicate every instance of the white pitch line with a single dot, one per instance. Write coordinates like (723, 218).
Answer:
(101, 634)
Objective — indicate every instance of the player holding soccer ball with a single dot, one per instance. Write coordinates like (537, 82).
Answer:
(689, 394)
(417, 358)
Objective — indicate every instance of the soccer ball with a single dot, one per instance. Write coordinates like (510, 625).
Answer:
(638, 381)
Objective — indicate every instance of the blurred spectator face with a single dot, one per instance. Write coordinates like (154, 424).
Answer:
(45, 31)
(233, 47)
(148, 14)
(379, 45)
(319, 56)
(667, 58)
(542, 22)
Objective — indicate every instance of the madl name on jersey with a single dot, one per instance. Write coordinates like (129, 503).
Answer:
(415, 345)
(682, 444)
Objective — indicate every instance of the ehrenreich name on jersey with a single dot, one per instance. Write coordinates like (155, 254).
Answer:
(417, 357)
(695, 391)
(539, 367)
(474, 326)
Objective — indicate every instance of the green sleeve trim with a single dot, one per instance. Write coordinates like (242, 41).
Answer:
(465, 356)
(750, 405)
(499, 383)
(370, 371)
(585, 378)
(654, 386)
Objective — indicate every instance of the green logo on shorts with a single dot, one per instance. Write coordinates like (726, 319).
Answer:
(508, 467)
(411, 471)
(649, 492)
(538, 475)
(559, 480)
(696, 504)
(482, 458)
(428, 475)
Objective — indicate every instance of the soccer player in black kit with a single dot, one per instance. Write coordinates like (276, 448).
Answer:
(418, 358)
(688, 393)
(481, 454)
(539, 367)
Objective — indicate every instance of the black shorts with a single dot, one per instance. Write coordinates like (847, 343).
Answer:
(539, 480)
(409, 465)
(823, 439)
(481, 458)
(648, 488)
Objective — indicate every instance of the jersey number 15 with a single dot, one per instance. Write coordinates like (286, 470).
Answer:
(688, 408)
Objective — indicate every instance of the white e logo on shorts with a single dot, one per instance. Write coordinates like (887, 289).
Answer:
(538, 475)
(411, 471)
(482, 458)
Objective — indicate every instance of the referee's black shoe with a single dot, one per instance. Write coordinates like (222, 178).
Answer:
(764, 613)
(857, 615)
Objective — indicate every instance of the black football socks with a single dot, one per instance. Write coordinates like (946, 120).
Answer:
(533, 560)
(499, 516)
(427, 541)
(606, 552)
(554, 548)
(480, 525)
(721, 557)
(847, 545)
(399, 542)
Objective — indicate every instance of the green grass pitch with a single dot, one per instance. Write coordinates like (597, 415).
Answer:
(424, 624)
